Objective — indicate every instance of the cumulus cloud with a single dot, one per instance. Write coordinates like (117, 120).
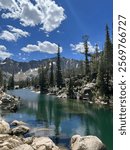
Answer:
(79, 48)
(4, 53)
(13, 34)
(34, 12)
(45, 47)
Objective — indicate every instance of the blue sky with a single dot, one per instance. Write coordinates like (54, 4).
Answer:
(30, 29)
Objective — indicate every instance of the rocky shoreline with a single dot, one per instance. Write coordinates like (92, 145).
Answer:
(13, 139)
(8, 102)
(86, 92)
(12, 135)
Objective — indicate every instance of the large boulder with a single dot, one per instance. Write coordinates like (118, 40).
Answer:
(9, 103)
(4, 137)
(44, 143)
(28, 140)
(23, 147)
(20, 130)
(4, 148)
(17, 123)
(4, 127)
(8, 142)
(63, 95)
(86, 143)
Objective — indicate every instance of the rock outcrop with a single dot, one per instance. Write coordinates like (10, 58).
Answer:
(8, 142)
(17, 123)
(20, 130)
(4, 127)
(23, 147)
(42, 143)
(86, 143)
(8, 102)
(13, 142)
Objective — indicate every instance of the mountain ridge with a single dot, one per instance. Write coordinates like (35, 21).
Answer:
(12, 66)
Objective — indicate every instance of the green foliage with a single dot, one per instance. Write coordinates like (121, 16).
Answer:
(70, 89)
(105, 71)
(42, 80)
(95, 60)
(87, 70)
(59, 79)
(100, 77)
(4, 85)
(1, 78)
(11, 82)
(51, 75)
(108, 54)
(34, 82)
(94, 63)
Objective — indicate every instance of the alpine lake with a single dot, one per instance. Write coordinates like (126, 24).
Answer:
(60, 119)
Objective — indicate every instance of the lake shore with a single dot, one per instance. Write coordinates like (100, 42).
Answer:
(82, 94)
(12, 137)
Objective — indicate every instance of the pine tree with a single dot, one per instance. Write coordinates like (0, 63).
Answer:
(4, 86)
(59, 78)
(70, 89)
(42, 80)
(108, 53)
(108, 63)
(52, 75)
(11, 82)
(96, 52)
(1, 78)
(95, 62)
(104, 79)
(100, 76)
(87, 71)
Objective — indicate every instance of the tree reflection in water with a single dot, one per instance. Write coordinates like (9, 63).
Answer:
(61, 118)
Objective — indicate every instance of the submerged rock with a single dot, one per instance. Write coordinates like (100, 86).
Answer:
(86, 143)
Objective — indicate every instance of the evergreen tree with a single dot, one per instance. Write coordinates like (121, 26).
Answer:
(96, 52)
(95, 62)
(59, 78)
(1, 78)
(27, 82)
(87, 71)
(108, 63)
(108, 54)
(5, 86)
(104, 79)
(42, 80)
(70, 89)
(100, 76)
(52, 75)
(11, 82)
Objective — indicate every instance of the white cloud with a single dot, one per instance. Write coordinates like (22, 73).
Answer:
(80, 47)
(39, 12)
(45, 47)
(3, 52)
(13, 34)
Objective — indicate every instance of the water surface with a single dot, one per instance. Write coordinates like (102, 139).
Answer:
(60, 119)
